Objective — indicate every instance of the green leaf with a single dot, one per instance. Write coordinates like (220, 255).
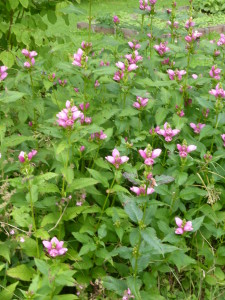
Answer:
(29, 247)
(82, 183)
(42, 266)
(180, 259)
(196, 223)
(119, 188)
(99, 177)
(10, 96)
(150, 237)
(87, 248)
(15, 140)
(34, 194)
(24, 3)
(191, 193)
(114, 284)
(7, 292)
(160, 115)
(68, 173)
(102, 164)
(22, 272)
(14, 3)
(7, 58)
(65, 297)
(133, 211)
(5, 251)
(82, 238)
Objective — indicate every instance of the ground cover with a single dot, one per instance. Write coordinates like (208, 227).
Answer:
(112, 156)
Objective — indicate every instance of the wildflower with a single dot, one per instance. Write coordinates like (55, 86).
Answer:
(23, 156)
(134, 45)
(97, 83)
(218, 92)
(82, 148)
(84, 106)
(116, 20)
(205, 112)
(162, 48)
(189, 23)
(184, 149)
(55, 247)
(144, 5)
(68, 115)
(99, 135)
(223, 138)
(62, 82)
(221, 41)
(3, 73)
(80, 58)
(168, 132)
(194, 76)
(116, 159)
(30, 55)
(22, 240)
(216, 52)
(127, 295)
(175, 24)
(134, 57)
(214, 72)
(197, 127)
(141, 102)
(76, 90)
(180, 111)
(207, 157)
(183, 226)
(176, 75)
(86, 45)
(149, 155)
(12, 232)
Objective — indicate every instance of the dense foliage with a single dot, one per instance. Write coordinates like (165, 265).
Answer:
(112, 160)
(210, 6)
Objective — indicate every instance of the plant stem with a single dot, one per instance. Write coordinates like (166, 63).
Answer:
(33, 218)
(142, 22)
(89, 21)
(10, 27)
(217, 116)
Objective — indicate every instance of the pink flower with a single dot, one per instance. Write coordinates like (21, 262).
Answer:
(207, 157)
(223, 138)
(31, 154)
(27, 64)
(217, 53)
(141, 102)
(55, 247)
(168, 132)
(80, 58)
(82, 148)
(21, 157)
(189, 23)
(116, 159)
(22, 240)
(134, 57)
(149, 155)
(134, 45)
(183, 226)
(205, 113)
(197, 127)
(162, 48)
(218, 92)
(118, 76)
(30, 55)
(214, 72)
(86, 45)
(3, 73)
(76, 90)
(221, 41)
(98, 135)
(97, 83)
(176, 75)
(82, 106)
(142, 190)
(116, 20)
(127, 295)
(194, 76)
(174, 25)
(184, 150)
(68, 115)
(144, 5)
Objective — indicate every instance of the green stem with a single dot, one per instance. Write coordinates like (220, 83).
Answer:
(33, 217)
(10, 27)
(151, 38)
(142, 22)
(106, 199)
(124, 100)
(89, 21)
(217, 117)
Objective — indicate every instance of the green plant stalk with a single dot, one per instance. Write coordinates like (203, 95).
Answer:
(142, 22)
(32, 87)
(89, 21)
(217, 117)
(10, 27)
(151, 39)
(33, 218)
(105, 202)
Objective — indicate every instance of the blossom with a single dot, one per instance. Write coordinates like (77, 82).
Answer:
(84, 106)
(116, 159)
(197, 127)
(192, 37)
(99, 135)
(134, 57)
(205, 112)
(214, 72)
(221, 41)
(189, 23)
(218, 92)
(116, 20)
(23, 156)
(144, 5)
(134, 45)
(55, 247)
(162, 48)
(80, 58)
(82, 148)
(30, 55)
(208, 156)
(97, 83)
(223, 138)
(194, 76)
(168, 132)
(86, 45)
(175, 24)
(3, 73)
(142, 190)
(141, 102)
(183, 226)
(176, 75)
(127, 295)
(149, 155)
(68, 115)
(184, 149)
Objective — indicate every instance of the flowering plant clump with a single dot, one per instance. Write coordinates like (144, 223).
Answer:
(129, 171)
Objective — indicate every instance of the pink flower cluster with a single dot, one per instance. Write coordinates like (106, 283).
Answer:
(127, 295)
(167, 132)
(176, 75)
(106, 64)
(149, 155)
(145, 5)
(98, 136)
(141, 190)
(192, 37)
(214, 72)
(80, 58)
(140, 103)
(218, 92)
(134, 57)
(162, 48)
(175, 24)
(223, 138)
(68, 115)
(23, 156)
(134, 45)
(116, 159)
(83, 118)
(124, 68)
(183, 226)
(197, 127)
(189, 23)
(221, 41)
(3, 73)
(116, 20)
(184, 149)
(30, 55)
(55, 247)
